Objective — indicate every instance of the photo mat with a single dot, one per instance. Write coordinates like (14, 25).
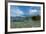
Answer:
(25, 17)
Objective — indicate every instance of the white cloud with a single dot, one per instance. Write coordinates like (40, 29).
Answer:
(32, 12)
(18, 12)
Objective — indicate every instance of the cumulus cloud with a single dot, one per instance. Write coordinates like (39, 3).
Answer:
(32, 12)
(16, 12)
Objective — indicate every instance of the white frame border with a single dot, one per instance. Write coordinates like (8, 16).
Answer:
(24, 29)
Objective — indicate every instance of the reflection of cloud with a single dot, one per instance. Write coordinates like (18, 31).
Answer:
(32, 12)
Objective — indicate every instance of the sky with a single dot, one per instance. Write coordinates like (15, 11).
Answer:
(24, 10)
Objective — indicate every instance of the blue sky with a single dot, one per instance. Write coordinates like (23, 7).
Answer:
(24, 10)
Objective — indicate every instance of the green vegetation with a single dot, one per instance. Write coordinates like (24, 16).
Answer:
(26, 24)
